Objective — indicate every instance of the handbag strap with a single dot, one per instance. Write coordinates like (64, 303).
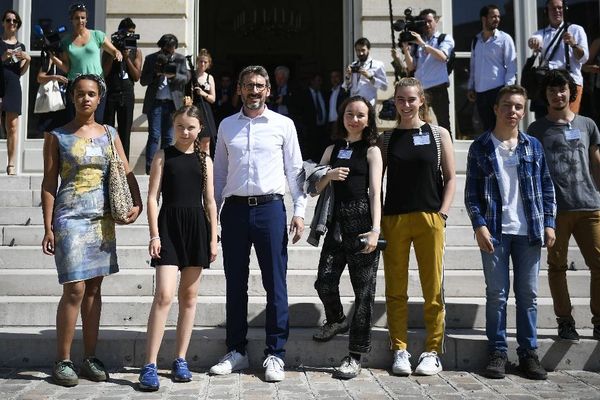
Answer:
(112, 142)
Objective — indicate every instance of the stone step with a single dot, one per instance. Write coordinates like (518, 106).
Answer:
(32, 215)
(137, 235)
(299, 257)
(461, 312)
(26, 191)
(125, 347)
(141, 282)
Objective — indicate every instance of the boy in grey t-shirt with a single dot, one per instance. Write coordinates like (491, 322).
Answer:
(571, 144)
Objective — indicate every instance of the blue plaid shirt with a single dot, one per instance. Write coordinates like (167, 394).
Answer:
(482, 191)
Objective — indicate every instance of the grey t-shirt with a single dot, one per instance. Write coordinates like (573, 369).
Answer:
(568, 158)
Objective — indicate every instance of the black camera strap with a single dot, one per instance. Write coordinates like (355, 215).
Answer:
(554, 44)
(396, 76)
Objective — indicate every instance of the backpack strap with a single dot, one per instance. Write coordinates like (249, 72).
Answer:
(473, 43)
(385, 141)
(441, 38)
(435, 130)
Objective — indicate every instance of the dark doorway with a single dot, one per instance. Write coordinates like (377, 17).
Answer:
(306, 36)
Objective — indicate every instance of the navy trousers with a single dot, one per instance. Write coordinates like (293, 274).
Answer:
(263, 226)
(485, 107)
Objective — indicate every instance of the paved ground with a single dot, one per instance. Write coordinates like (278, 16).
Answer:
(305, 384)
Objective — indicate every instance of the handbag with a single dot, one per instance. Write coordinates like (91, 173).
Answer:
(119, 194)
(49, 97)
(532, 75)
(388, 110)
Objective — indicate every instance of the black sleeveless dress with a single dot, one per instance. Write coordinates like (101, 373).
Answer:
(182, 224)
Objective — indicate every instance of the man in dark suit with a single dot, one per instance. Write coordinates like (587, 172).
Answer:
(165, 73)
(312, 119)
(336, 97)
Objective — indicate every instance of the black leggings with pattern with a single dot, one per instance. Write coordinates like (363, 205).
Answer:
(354, 218)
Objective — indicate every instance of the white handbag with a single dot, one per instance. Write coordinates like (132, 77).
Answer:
(49, 98)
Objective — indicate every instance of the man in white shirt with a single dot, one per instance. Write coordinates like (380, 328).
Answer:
(365, 75)
(572, 39)
(493, 65)
(257, 152)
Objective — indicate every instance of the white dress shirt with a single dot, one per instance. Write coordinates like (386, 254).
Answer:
(493, 62)
(359, 85)
(254, 156)
(558, 61)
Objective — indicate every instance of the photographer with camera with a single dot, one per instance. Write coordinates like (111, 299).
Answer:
(120, 77)
(427, 54)
(165, 73)
(563, 46)
(365, 75)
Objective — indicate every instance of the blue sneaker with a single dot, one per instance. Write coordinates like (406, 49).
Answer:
(180, 371)
(149, 378)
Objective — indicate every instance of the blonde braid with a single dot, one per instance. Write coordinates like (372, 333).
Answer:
(202, 158)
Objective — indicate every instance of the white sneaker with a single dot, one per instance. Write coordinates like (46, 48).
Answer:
(232, 361)
(274, 369)
(429, 364)
(401, 364)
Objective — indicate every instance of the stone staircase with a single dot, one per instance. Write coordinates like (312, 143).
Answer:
(29, 294)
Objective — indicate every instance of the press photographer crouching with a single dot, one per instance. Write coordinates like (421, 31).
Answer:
(165, 73)
(120, 78)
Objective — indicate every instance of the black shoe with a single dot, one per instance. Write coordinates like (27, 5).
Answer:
(597, 332)
(567, 332)
(530, 365)
(496, 368)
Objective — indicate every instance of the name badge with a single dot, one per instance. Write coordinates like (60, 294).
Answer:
(93, 151)
(345, 154)
(573, 134)
(421, 139)
(511, 161)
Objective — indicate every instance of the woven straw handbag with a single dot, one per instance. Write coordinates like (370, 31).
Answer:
(119, 194)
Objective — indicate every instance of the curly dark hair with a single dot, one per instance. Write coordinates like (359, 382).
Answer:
(369, 133)
(89, 77)
(557, 78)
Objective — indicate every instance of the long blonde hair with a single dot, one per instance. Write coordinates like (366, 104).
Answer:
(424, 109)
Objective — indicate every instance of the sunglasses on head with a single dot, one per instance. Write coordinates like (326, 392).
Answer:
(77, 7)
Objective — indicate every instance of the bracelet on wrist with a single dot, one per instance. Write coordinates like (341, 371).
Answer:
(154, 238)
(376, 230)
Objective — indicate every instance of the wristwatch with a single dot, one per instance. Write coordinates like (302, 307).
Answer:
(444, 216)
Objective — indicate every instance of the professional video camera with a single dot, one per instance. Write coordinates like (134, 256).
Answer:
(165, 65)
(124, 40)
(47, 39)
(408, 24)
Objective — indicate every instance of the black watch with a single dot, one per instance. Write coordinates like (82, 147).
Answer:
(444, 216)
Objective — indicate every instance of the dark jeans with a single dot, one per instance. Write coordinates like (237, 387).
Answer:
(121, 104)
(263, 226)
(485, 107)
(438, 100)
(354, 218)
(160, 129)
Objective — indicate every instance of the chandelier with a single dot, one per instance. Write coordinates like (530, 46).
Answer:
(267, 21)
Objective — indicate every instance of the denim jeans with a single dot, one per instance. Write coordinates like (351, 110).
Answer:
(160, 129)
(526, 265)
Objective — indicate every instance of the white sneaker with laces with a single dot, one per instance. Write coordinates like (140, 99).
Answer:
(274, 369)
(429, 364)
(401, 364)
(232, 361)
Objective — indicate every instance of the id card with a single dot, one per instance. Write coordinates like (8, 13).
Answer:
(345, 154)
(93, 151)
(573, 134)
(421, 139)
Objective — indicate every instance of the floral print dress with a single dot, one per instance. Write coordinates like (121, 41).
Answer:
(84, 231)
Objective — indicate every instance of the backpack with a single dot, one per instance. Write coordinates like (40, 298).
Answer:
(451, 56)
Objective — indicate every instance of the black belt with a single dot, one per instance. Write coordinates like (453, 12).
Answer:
(255, 200)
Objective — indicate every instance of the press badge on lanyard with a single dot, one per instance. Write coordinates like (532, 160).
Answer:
(345, 154)
(93, 151)
(421, 138)
(572, 133)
